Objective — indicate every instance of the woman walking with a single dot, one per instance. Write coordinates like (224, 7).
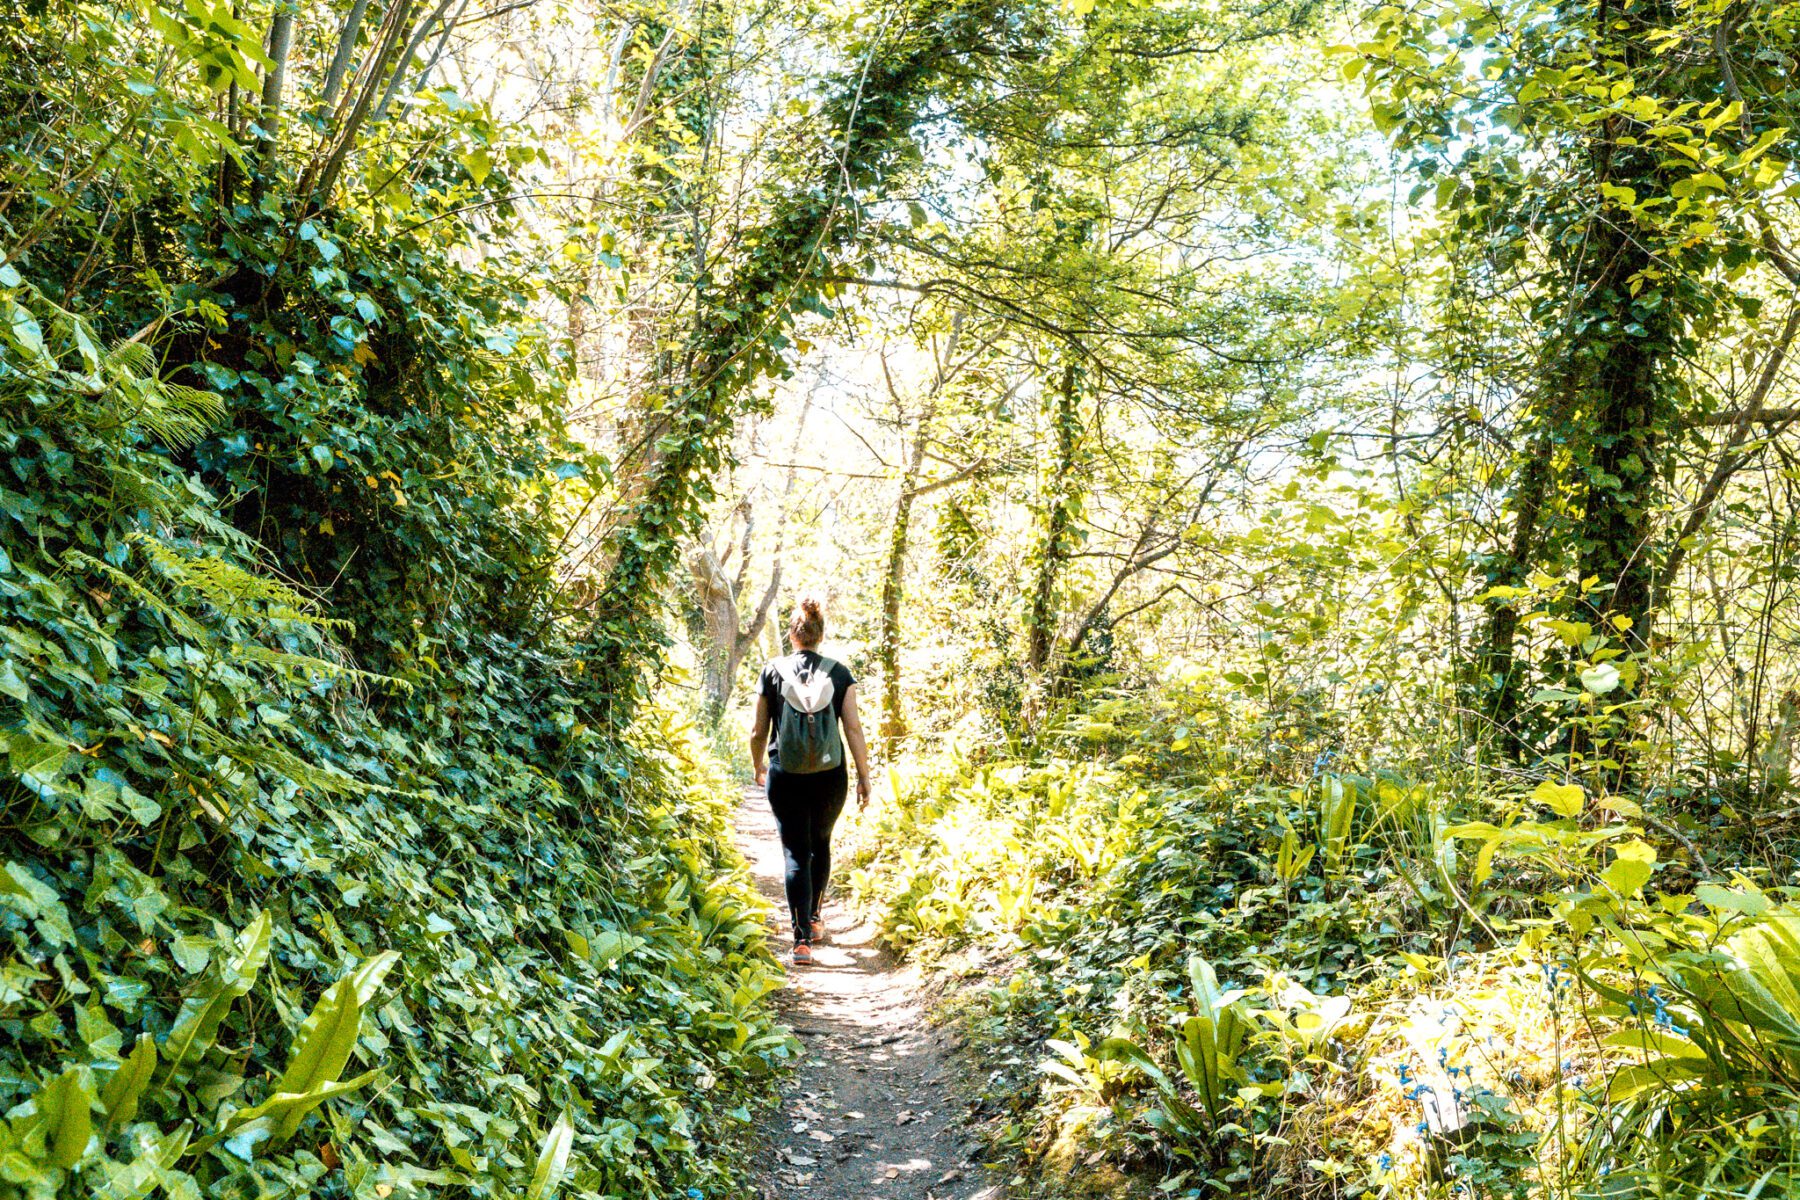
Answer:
(805, 714)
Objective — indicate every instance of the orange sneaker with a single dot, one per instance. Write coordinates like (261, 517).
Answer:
(801, 954)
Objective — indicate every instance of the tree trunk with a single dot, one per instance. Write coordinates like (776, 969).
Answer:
(1498, 689)
(314, 188)
(1619, 501)
(893, 584)
(1060, 508)
(340, 61)
(268, 117)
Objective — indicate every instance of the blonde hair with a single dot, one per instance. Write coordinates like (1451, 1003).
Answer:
(806, 628)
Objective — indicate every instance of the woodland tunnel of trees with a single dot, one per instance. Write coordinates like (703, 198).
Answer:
(1309, 489)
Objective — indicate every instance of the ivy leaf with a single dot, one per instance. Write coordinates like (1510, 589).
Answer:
(11, 684)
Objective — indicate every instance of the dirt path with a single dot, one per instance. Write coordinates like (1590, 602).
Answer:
(872, 1113)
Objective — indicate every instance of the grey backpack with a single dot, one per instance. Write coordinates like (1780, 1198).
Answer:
(807, 740)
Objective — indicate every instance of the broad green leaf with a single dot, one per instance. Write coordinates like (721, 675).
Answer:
(122, 1092)
(65, 1105)
(1633, 864)
(283, 1109)
(197, 1025)
(1643, 1077)
(327, 1038)
(1746, 900)
(1654, 1042)
(1600, 679)
(1564, 799)
(552, 1159)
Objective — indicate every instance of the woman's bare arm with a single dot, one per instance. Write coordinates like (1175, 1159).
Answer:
(859, 749)
(759, 740)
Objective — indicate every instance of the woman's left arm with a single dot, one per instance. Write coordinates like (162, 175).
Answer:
(859, 749)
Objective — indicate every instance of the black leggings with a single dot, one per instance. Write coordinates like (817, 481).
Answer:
(805, 808)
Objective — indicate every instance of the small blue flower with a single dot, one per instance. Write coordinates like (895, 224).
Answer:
(1385, 1161)
(1423, 1128)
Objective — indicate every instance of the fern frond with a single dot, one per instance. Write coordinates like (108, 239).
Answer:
(182, 623)
(228, 587)
(179, 416)
(208, 521)
(131, 359)
(283, 660)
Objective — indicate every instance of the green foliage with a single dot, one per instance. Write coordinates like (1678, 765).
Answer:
(1231, 982)
(315, 879)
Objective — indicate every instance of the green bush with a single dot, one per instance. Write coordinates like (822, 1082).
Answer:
(1227, 981)
(281, 926)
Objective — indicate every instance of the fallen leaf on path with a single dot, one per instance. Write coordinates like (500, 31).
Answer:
(905, 1116)
(819, 1135)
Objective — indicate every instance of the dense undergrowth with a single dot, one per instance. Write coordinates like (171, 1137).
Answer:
(266, 938)
(316, 876)
(1198, 971)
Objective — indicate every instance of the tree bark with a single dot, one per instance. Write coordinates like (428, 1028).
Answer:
(1498, 666)
(340, 61)
(893, 582)
(321, 175)
(893, 585)
(1059, 520)
(268, 117)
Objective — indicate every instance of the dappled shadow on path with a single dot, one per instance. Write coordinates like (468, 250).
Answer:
(873, 1113)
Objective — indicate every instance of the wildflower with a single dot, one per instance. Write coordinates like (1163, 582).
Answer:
(1405, 1073)
(1385, 1161)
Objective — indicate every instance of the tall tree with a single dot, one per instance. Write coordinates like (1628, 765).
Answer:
(1623, 194)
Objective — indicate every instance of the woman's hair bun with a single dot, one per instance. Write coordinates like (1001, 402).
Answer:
(807, 626)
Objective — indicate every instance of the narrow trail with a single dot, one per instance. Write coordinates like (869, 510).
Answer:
(873, 1112)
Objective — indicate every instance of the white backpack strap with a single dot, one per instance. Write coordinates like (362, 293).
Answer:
(809, 695)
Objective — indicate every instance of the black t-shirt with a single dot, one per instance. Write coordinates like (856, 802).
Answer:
(768, 684)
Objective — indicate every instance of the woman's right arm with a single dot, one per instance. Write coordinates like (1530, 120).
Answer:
(759, 740)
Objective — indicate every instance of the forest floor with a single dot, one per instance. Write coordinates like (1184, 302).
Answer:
(875, 1110)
